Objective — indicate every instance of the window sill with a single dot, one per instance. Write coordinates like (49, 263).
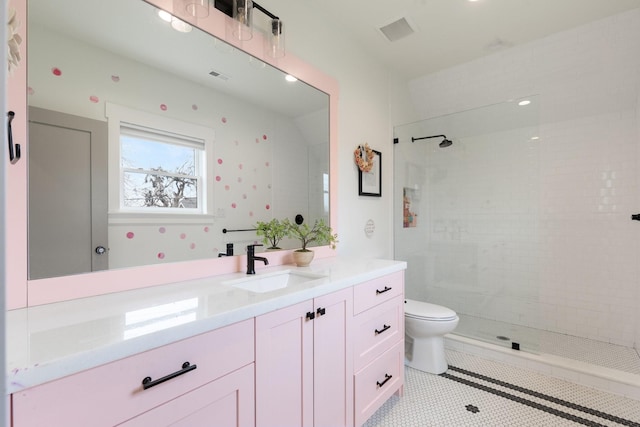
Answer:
(159, 218)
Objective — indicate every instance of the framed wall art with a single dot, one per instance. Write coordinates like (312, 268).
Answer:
(370, 183)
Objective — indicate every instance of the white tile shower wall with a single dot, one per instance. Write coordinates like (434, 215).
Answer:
(579, 250)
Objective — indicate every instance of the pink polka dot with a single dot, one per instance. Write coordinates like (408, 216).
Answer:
(30, 90)
(218, 178)
(264, 137)
(254, 187)
(56, 71)
(115, 78)
(94, 99)
(240, 166)
(130, 235)
(163, 107)
(257, 141)
(267, 164)
(183, 236)
(239, 179)
(268, 207)
(250, 213)
(233, 205)
(192, 246)
(160, 255)
(244, 196)
(162, 230)
(219, 161)
(224, 120)
(226, 187)
(194, 107)
(206, 229)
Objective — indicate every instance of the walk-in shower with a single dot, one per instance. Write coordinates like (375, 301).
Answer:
(491, 227)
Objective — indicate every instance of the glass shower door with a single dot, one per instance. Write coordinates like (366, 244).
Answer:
(466, 219)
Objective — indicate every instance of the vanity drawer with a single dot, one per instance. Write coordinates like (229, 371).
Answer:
(377, 291)
(376, 330)
(113, 393)
(377, 382)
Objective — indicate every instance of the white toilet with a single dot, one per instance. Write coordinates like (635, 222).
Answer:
(425, 327)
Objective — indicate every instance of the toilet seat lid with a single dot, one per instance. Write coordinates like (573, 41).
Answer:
(425, 310)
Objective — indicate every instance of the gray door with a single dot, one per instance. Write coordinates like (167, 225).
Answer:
(67, 194)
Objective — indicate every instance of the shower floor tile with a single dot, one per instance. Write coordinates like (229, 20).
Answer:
(479, 392)
(598, 353)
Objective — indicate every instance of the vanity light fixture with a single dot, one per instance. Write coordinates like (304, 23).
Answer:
(197, 8)
(243, 26)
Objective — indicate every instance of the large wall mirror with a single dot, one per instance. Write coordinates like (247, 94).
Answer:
(147, 140)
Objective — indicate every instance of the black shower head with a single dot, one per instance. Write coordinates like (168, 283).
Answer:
(444, 144)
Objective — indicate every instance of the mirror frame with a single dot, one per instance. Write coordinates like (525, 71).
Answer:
(22, 292)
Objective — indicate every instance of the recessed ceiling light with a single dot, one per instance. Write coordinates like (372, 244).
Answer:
(180, 26)
(164, 15)
(290, 78)
(524, 102)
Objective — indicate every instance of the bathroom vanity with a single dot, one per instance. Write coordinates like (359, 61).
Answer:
(328, 351)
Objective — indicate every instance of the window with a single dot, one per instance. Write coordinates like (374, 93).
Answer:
(157, 165)
(159, 171)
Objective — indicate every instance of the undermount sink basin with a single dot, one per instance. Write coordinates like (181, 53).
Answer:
(268, 282)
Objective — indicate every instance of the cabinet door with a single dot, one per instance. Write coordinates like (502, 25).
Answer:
(333, 363)
(226, 402)
(284, 367)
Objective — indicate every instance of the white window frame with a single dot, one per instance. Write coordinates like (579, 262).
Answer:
(193, 135)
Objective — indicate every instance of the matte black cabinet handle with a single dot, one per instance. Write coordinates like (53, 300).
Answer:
(385, 327)
(635, 217)
(186, 367)
(387, 377)
(386, 289)
(311, 315)
(13, 156)
(321, 311)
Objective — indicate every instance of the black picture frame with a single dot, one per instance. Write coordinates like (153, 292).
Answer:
(370, 183)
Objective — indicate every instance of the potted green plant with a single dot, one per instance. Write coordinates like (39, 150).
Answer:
(320, 233)
(272, 232)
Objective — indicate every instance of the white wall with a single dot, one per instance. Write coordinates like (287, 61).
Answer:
(588, 80)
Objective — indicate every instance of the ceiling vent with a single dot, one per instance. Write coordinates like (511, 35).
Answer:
(397, 30)
(221, 76)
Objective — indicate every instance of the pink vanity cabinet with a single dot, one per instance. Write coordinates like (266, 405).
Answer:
(304, 364)
(378, 328)
(219, 390)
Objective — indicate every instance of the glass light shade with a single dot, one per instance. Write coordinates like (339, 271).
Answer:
(197, 8)
(242, 19)
(275, 40)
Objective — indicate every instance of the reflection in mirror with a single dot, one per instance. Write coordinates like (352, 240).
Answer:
(146, 142)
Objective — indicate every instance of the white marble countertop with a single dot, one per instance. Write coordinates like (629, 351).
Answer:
(52, 341)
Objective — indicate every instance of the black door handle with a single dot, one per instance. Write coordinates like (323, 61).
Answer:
(387, 377)
(385, 327)
(186, 367)
(386, 289)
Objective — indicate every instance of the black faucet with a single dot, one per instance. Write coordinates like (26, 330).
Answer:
(251, 258)
(229, 251)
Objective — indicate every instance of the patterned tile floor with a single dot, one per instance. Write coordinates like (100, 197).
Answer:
(480, 392)
(599, 353)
